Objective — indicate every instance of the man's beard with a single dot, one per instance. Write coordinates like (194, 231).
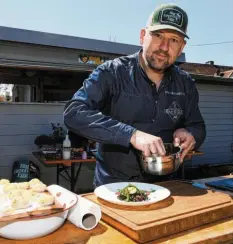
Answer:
(155, 64)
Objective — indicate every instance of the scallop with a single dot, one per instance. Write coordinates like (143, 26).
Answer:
(23, 185)
(45, 199)
(20, 202)
(9, 187)
(39, 187)
(34, 181)
(4, 182)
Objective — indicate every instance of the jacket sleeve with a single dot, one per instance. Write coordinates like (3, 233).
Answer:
(84, 113)
(194, 122)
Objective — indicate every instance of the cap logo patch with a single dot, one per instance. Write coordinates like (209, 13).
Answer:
(171, 16)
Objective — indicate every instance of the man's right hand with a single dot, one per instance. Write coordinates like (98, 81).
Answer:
(147, 143)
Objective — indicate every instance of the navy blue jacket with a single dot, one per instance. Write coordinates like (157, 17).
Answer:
(118, 98)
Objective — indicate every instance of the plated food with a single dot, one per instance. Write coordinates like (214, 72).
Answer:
(27, 214)
(24, 196)
(132, 193)
(4, 181)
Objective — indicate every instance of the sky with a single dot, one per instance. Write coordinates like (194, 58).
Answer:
(210, 21)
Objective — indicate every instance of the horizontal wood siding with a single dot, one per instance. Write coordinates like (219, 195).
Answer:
(216, 104)
(19, 125)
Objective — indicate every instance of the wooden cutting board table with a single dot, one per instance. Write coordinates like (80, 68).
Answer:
(220, 232)
(216, 232)
(188, 207)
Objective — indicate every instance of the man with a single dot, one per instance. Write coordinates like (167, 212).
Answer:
(136, 103)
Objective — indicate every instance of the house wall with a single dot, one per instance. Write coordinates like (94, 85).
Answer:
(20, 123)
(216, 104)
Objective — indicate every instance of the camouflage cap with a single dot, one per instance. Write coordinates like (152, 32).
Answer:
(168, 16)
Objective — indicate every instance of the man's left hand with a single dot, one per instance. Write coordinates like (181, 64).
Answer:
(184, 139)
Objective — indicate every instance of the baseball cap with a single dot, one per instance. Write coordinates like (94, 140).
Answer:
(168, 16)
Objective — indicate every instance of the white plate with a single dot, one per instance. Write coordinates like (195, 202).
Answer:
(41, 226)
(108, 193)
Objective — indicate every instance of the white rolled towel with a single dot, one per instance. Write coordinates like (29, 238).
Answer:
(85, 214)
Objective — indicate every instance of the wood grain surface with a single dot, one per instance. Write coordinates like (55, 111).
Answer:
(219, 232)
(187, 207)
(215, 232)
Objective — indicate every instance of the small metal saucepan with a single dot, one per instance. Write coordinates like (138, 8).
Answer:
(162, 165)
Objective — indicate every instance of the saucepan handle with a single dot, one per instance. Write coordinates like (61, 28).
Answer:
(177, 158)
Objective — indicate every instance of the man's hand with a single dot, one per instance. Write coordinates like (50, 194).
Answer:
(147, 143)
(184, 139)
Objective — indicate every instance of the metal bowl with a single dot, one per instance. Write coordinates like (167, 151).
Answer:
(162, 165)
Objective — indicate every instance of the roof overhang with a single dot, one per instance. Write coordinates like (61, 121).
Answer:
(16, 35)
(212, 79)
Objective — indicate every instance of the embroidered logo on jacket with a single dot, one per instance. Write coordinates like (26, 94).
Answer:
(175, 93)
(174, 111)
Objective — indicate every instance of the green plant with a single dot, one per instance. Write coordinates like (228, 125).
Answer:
(57, 136)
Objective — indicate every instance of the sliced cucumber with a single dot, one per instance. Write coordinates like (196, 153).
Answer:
(132, 190)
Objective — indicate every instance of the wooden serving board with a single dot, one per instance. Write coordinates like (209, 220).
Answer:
(30, 215)
(187, 207)
(40, 211)
(66, 234)
(35, 213)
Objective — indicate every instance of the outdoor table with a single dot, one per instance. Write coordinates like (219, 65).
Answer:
(217, 232)
(220, 232)
(64, 164)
